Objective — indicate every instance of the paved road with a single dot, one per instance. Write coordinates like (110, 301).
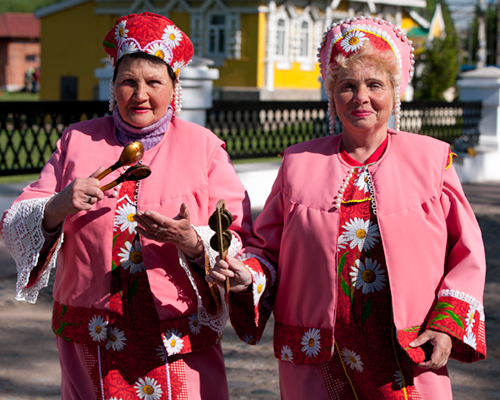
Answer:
(29, 367)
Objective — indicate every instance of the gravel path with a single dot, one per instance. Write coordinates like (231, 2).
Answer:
(29, 365)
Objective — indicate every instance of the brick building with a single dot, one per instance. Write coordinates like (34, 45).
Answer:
(19, 48)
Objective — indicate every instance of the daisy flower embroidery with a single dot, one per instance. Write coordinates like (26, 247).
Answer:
(172, 36)
(310, 342)
(361, 233)
(368, 277)
(258, 286)
(362, 181)
(161, 352)
(124, 218)
(148, 389)
(470, 339)
(342, 242)
(121, 32)
(353, 41)
(127, 48)
(194, 324)
(160, 50)
(98, 328)
(470, 319)
(177, 67)
(352, 359)
(286, 353)
(116, 339)
(250, 340)
(131, 257)
(173, 342)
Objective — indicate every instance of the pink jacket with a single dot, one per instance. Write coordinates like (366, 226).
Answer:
(433, 247)
(189, 165)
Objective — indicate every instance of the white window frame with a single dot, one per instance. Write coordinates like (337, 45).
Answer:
(283, 61)
(305, 42)
(219, 53)
(304, 51)
(281, 38)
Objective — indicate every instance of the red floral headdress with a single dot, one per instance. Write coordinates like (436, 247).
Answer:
(152, 34)
(347, 38)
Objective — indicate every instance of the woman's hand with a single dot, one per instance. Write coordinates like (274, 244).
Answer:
(442, 343)
(79, 195)
(177, 230)
(240, 276)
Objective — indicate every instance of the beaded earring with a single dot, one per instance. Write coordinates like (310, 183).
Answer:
(331, 117)
(397, 111)
(178, 97)
(111, 96)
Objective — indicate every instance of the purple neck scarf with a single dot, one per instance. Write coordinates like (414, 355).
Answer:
(150, 136)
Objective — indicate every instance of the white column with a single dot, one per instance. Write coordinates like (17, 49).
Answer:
(271, 46)
(482, 85)
(104, 75)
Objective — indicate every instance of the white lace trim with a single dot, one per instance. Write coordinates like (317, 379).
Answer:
(24, 239)
(476, 304)
(215, 322)
(264, 262)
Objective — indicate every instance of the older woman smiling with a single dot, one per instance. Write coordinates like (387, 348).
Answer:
(367, 251)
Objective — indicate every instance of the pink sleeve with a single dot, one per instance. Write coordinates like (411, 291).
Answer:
(250, 311)
(459, 309)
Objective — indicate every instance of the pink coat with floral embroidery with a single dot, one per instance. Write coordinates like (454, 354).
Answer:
(433, 248)
(188, 165)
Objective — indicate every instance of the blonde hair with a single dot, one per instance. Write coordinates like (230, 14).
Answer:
(385, 61)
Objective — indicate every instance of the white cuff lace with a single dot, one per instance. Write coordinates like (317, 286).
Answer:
(215, 322)
(24, 239)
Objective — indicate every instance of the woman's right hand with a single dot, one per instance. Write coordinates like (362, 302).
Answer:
(234, 269)
(79, 195)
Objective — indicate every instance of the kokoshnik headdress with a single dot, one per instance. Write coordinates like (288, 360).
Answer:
(347, 38)
(152, 34)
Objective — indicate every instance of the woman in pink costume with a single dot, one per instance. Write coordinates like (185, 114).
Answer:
(367, 251)
(133, 314)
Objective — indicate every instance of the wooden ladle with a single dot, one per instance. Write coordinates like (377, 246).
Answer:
(134, 173)
(131, 154)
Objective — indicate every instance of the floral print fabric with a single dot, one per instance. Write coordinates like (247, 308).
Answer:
(367, 360)
(128, 347)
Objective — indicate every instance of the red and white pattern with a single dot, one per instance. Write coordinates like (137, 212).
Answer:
(122, 345)
(150, 33)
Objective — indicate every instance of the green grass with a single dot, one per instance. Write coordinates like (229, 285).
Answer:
(18, 178)
(25, 6)
(257, 160)
(18, 96)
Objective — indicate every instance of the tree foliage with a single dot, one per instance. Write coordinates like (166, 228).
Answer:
(438, 65)
(24, 6)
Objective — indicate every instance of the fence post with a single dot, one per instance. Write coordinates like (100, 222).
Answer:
(197, 84)
(483, 85)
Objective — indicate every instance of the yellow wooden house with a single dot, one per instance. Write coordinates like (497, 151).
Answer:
(264, 50)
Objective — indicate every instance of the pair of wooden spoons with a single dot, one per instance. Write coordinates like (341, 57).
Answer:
(131, 154)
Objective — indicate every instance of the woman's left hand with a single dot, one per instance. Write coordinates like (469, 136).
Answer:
(442, 343)
(177, 230)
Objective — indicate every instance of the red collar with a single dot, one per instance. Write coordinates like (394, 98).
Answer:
(373, 158)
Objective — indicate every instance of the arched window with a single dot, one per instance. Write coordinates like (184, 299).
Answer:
(304, 35)
(281, 37)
